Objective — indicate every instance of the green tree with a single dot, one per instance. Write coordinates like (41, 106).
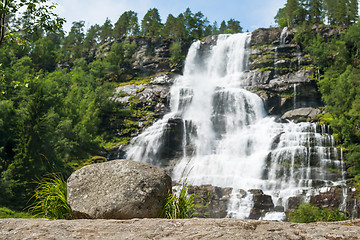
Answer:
(37, 12)
(233, 26)
(106, 32)
(73, 43)
(151, 24)
(127, 25)
(315, 11)
(174, 27)
(92, 37)
(223, 27)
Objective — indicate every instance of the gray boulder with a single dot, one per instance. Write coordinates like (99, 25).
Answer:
(302, 114)
(119, 189)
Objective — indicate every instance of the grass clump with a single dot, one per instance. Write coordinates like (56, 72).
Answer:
(307, 213)
(178, 206)
(51, 200)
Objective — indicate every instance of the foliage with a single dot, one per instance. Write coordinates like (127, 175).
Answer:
(8, 213)
(37, 14)
(176, 52)
(178, 206)
(50, 199)
(307, 213)
(335, 12)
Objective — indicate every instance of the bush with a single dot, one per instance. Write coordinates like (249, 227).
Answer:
(307, 213)
(176, 52)
(8, 213)
(50, 199)
(178, 206)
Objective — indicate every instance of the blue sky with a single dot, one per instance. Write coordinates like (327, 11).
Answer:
(251, 14)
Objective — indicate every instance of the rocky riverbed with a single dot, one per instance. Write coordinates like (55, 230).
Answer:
(175, 229)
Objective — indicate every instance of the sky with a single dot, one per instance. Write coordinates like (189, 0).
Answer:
(252, 14)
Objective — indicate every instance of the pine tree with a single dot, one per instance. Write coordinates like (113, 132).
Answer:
(151, 24)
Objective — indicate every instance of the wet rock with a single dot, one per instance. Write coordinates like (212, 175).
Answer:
(294, 202)
(171, 143)
(119, 189)
(265, 36)
(302, 114)
(262, 204)
(329, 199)
(210, 201)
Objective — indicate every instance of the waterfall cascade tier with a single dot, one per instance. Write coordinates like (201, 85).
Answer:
(218, 133)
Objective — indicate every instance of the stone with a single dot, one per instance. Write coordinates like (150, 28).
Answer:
(262, 204)
(302, 114)
(210, 201)
(194, 228)
(119, 189)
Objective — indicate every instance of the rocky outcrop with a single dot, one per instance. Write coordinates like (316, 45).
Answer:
(344, 199)
(175, 229)
(120, 189)
(152, 56)
(262, 204)
(302, 114)
(282, 74)
(210, 201)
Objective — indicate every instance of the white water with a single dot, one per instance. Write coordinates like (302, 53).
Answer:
(228, 141)
(283, 36)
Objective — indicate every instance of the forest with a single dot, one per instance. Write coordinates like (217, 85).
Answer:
(55, 96)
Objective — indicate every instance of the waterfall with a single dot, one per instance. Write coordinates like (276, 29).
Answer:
(283, 36)
(227, 139)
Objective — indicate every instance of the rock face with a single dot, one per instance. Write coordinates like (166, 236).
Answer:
(302, 114)
(119, 189)
(262, 204)
(281, 73)
(210, 201)
(333, 198)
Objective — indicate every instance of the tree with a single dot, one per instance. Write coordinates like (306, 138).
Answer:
(106, 32)
(38, 14)
(223, 27)
(174, 27)
(315, 11)
(127, 25)
(92, 37)
(151, 23)
(73, 43)
(233, 26)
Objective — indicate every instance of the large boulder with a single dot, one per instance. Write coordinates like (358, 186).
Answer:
(302, 114)
(119, 189)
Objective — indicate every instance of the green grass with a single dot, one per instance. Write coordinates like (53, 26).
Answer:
(50, 199)
(178, 206)
(8, 213)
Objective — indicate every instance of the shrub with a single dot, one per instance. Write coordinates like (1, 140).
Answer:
(307, 213)
(50, 199)
(178, 206)
(8, 213)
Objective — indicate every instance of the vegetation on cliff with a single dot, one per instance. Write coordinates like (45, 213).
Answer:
(337, 61)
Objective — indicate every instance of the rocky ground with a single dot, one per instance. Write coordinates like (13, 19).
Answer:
(174, 229)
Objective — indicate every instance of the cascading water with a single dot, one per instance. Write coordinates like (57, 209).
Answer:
(228, 141)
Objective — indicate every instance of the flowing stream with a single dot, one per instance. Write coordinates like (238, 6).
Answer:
(226, 138)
